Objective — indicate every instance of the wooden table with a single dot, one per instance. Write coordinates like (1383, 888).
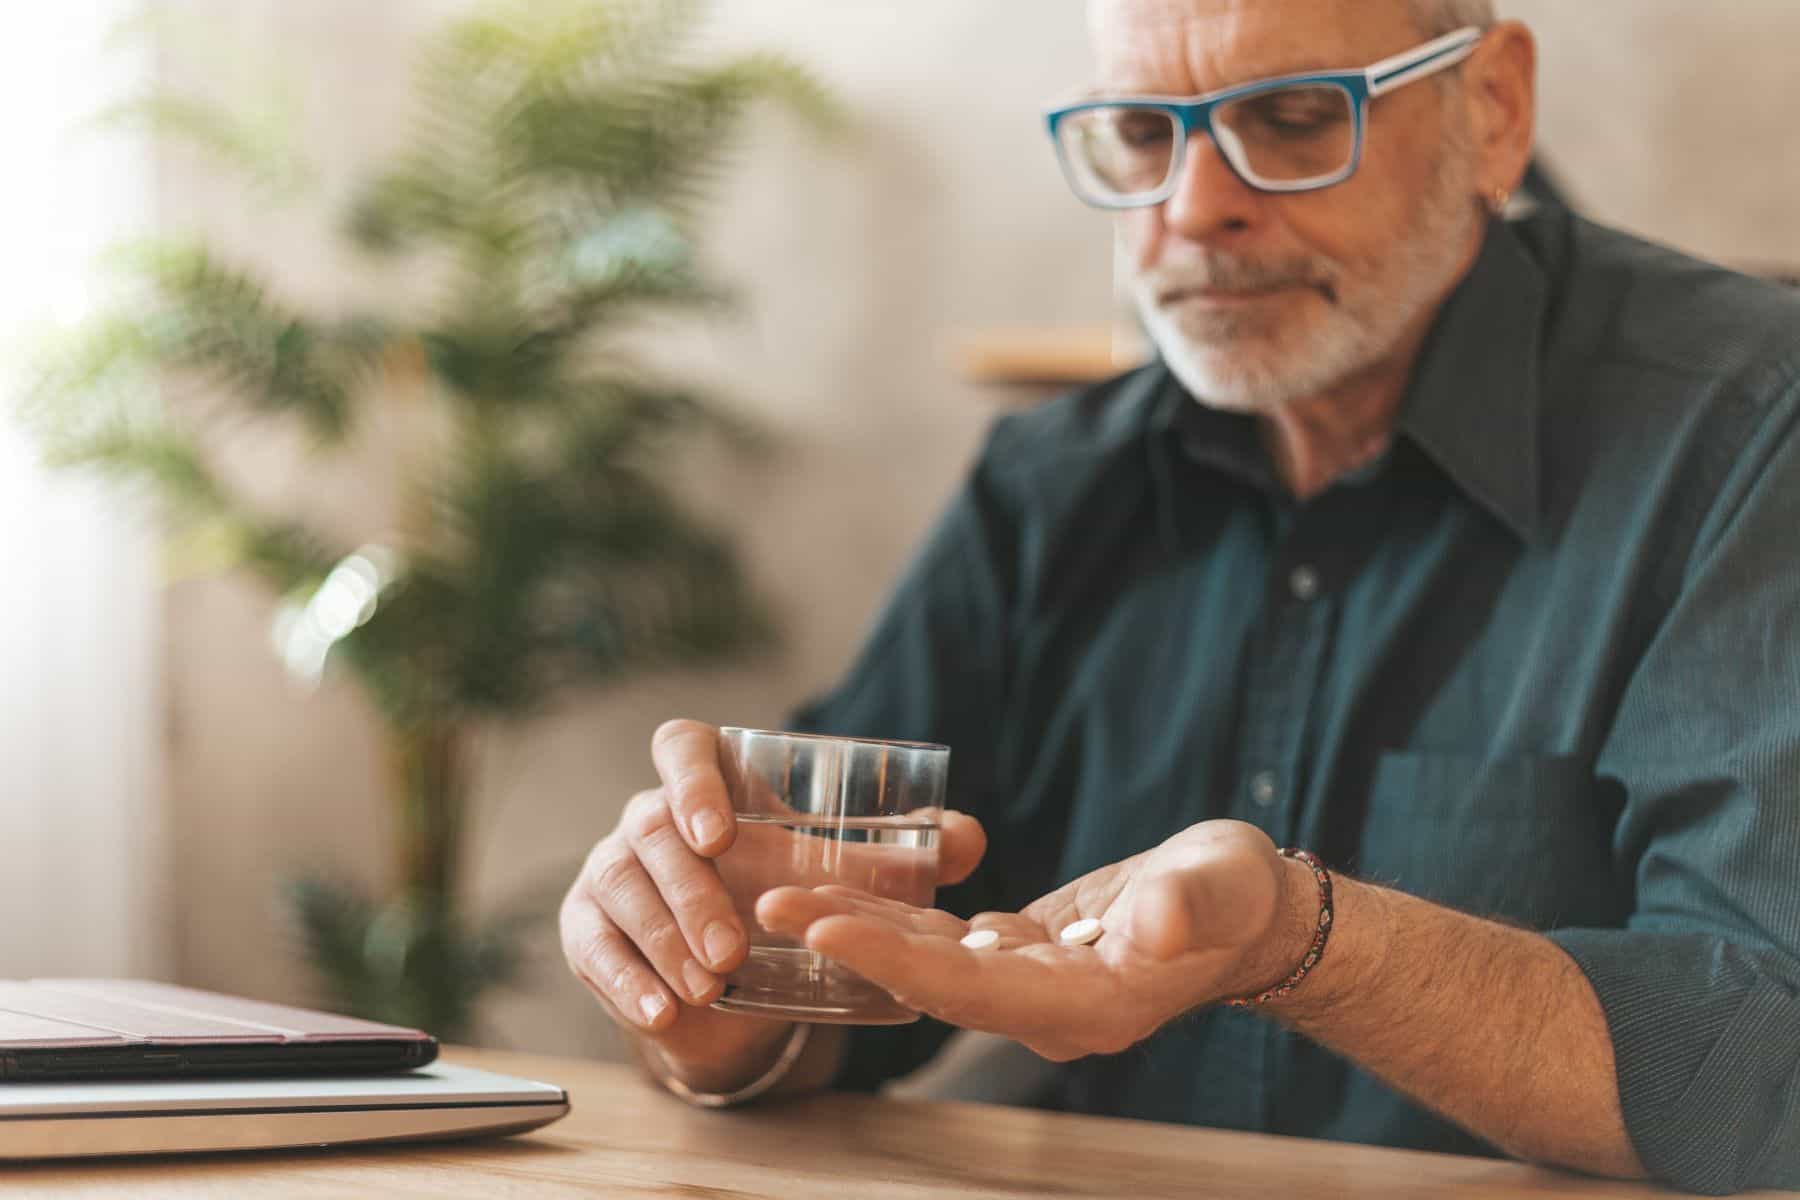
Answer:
(627, 1139)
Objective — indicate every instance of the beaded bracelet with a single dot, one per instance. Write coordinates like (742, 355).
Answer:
(1322, 935)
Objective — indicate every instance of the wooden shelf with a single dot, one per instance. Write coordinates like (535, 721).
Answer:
(1078, 355)
(1047, 357)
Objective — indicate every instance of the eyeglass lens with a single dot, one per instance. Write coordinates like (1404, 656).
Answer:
(1287, 136)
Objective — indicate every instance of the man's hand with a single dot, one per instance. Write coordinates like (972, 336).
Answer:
(1212, 913)
(1492, 1026)
(655, 920)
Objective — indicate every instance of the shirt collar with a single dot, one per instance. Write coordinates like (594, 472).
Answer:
(1472, 405)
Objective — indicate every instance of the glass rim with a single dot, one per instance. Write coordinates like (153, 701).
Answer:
(785, 735)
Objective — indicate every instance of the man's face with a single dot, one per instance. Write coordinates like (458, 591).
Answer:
(1257, 299)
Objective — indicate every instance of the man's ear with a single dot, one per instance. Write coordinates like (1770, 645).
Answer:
(1501, 79)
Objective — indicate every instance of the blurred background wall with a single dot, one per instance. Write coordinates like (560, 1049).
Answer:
(945, 215)
(83, 881)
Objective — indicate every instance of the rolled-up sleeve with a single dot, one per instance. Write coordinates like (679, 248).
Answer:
(1701, 990)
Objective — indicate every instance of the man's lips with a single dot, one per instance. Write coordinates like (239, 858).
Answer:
(1224, 296)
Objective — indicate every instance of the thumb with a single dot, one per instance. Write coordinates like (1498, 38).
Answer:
(1164, 921)
(962, 842)
(1200, 893)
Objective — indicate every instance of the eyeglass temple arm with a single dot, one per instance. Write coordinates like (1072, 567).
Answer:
(1434, 56)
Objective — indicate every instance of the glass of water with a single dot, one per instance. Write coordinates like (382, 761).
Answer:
(820, 810)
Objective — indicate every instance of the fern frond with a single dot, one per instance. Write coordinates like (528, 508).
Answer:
(170, 465)
(775, 79)
(223, 324)
(647, 138)
(259, 145)
(560, 43)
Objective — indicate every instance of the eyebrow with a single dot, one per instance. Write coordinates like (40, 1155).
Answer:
(1095, 91)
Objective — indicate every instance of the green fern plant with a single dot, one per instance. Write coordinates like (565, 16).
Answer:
(550, 186)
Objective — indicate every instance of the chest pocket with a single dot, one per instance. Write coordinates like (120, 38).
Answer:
(1526, 838)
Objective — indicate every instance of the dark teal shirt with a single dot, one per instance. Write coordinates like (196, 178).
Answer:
(1541, 662)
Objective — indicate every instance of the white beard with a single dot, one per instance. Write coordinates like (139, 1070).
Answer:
(1250, 362)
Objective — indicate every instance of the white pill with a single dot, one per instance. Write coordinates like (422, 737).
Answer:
(981, 939)
(1081, 933)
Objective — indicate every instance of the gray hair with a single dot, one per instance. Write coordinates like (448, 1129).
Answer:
(1438, 17)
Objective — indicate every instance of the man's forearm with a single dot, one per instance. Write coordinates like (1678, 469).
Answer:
(1492, 1026)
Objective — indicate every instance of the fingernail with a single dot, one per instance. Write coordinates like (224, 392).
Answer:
(652, 1005)
(721, 942)
(708, 828)
(699, 979)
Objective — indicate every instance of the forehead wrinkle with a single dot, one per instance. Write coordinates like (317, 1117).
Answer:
(1193, 47)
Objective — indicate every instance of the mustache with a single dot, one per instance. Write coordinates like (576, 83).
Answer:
(1233, 273)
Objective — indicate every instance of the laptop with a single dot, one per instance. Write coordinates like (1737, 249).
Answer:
(108, 1067)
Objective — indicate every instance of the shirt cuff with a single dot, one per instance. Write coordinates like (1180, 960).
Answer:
(1708, 1058)
(880, 1053)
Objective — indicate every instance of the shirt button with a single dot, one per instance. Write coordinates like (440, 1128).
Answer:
(1303, 581)
(1263, 787)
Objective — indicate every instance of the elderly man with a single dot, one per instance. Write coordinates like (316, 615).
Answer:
(1457, 552)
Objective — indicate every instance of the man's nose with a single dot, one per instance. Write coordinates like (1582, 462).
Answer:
(1210, 200)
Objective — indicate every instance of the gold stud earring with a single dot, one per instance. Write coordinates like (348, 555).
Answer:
(1498, 199)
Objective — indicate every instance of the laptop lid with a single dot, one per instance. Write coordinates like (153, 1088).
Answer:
(66, 1029)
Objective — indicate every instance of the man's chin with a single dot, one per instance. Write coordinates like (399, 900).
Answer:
(1246, 361)
(1250, 375)
(1230, 389)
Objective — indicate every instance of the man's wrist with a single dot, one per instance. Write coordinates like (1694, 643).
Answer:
(1288, 938)
(764, 1082)
(1355, 957)
(718, 1075)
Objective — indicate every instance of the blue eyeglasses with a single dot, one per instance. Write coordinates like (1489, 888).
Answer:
(1296, 133)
